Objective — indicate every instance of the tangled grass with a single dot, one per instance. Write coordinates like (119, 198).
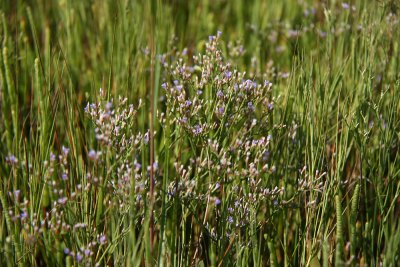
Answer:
(272, 141)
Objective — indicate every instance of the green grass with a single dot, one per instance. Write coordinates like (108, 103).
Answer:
(301, 173)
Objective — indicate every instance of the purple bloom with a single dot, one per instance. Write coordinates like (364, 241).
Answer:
(146, 138)
(87, 252)
(102, 239)
(228, 74)
(230, 219)
(65, 150)
(220, 94)
(197, 129)
(164, 85)
(138, 166)
(322, 34)
(345, 5)
(217, 186)
(23, 215)
(92, 155)
(199, 92)
(12, 160)
(64, 176)
(66, 251)
(266, 155)
(217, 201)
(219, 33)
(79, 257)
(108, 106)
(62, 200)
(188, 103)
(17, 193)
(250, 106)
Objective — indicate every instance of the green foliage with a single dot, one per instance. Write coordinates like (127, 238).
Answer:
(275, 142)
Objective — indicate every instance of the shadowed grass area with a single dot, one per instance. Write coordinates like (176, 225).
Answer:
(206, 133)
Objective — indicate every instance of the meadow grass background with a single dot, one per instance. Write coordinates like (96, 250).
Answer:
(322, 189)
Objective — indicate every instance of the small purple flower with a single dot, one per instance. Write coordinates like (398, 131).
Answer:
(12, 160)
(285, 75)
(270, 106)
(322, 34)
(87, 252)
(62, 200)
(102, 239)
(188, 103)
(217, 186)
(220, 94)
(23, 215)
(79, 257)
(221, 110)
(109, 106)
(250, 106)
(184, 120)
(176, 82)
(92, 155)
(266, 155)
(164, 86)
(217, 201)
(219, 33)
(197, 129)
(179, 87)
(65, 150)
(199, 92)
(66, 251)
(146, 138)
(230, 219)
(228, 74)
(345, 6)
(184, 52)
(64, 177)
(138, 166)
(17, 193)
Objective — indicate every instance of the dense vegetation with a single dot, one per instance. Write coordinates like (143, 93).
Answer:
(206, 133)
